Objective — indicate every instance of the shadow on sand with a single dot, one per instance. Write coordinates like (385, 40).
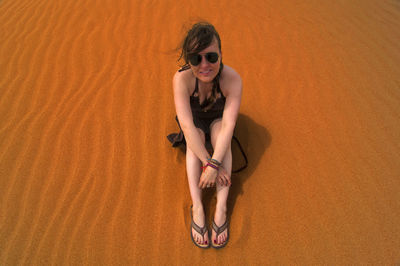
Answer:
(254, 139)
(246, 129)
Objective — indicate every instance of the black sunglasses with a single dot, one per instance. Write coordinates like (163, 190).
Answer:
(195, 59)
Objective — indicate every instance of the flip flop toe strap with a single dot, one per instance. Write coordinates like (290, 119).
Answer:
(219, 230)
(198, 229)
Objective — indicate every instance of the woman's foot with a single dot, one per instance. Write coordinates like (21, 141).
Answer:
(200, 236)
(220, 238)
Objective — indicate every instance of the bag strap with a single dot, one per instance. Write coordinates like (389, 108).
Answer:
(244, 156)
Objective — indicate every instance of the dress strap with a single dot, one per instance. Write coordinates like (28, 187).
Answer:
(196, 87)
(184, 67)
(219, 89)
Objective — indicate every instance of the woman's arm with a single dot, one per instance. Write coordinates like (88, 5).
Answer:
(185, 117)
(231, 111)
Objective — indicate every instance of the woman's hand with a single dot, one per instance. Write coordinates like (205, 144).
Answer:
(223, 178)
(211, 175)
(208, 177)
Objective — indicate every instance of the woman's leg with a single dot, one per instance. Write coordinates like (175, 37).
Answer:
(193, 168)
(222, 191)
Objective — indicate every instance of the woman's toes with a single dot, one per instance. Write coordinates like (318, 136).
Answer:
(221, 239)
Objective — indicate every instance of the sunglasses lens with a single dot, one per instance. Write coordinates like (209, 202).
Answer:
(212, 57)
(195, 59)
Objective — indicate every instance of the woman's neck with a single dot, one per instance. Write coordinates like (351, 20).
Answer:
(205, 86)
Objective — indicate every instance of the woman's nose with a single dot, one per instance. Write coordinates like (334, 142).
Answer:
(204, 62)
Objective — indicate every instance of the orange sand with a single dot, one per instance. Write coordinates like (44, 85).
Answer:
(87, 175)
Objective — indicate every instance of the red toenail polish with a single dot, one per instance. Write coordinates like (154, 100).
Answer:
(215, 241)
(206, 242)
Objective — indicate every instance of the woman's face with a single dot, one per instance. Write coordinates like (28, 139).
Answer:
(206, 71)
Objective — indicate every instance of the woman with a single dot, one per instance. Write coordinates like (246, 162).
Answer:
(207, 97)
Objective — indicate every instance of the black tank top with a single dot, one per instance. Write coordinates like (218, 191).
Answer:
(214, 112)
(201, 110)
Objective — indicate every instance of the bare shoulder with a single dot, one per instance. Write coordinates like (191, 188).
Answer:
(182, 80)
(230, 73)
(230, 81)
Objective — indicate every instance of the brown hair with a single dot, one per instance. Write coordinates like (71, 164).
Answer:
(198, 38)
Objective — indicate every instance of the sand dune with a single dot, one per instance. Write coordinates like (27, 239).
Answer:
(87, 175)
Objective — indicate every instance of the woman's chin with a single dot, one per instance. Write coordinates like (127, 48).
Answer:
(206, 78)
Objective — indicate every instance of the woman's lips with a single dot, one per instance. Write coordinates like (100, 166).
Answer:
(205, 73)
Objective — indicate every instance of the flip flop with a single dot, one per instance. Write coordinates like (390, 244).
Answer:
(200, 230)
(218, 231)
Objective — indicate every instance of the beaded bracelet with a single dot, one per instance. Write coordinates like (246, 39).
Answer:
(215, 162)
(213, 166)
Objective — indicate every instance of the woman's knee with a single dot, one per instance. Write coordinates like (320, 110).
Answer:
(215, 131)
(203, 141)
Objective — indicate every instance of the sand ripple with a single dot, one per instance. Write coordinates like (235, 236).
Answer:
(86, 173)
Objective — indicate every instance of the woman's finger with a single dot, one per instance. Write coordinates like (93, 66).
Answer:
(226, 181)
(222, 178)
(220, 181)
(201, 183)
